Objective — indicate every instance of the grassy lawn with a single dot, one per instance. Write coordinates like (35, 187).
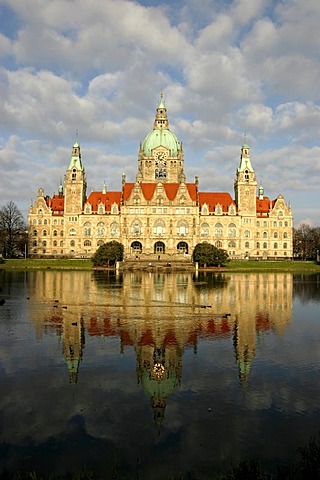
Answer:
(43, 263)
(297, 266)
(233, 266)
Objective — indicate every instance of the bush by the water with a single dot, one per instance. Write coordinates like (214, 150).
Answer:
(108, 254)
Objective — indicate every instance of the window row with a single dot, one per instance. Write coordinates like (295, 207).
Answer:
(274, 223)
(46, 221)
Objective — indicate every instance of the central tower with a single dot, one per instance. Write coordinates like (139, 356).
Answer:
(161, 153)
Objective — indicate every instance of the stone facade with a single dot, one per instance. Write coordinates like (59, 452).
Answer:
(160, 213)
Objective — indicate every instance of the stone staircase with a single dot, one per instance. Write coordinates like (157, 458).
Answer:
(161, 262)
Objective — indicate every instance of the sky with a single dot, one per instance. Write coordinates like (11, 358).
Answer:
(229, 70)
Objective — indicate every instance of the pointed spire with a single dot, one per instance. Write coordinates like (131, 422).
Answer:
(75, 161)
(104, 188)
(161, 121)
(245, 139)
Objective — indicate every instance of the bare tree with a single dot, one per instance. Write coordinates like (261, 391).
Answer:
(306, 242)
(12, 231)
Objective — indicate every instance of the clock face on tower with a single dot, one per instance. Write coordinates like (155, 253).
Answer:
(161, 164)
(161, 158)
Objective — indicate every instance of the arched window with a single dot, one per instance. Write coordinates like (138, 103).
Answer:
(219, 244)
(101, 209)
(55, 243)
(87, 208)
(275, 245)
(101, 229)
(159, 228)
(275, 235)
(72, 243)
(55, 233)
(204, 209)
(44, 233)
(87, 243)
(87, 228)
(285, 245)
(258, 234)
(274, 224)
(247, 233)
(232, 209)
(114, 229)
(114, 209)
(265, 235)
(218, 230)
(72, 232)
(136, 200)
(218, 209)
(45, 222)
(246, 245)
(265, 245)
(44, 243)
(34, 222)
(74, 174)
(204, 230)
(136, 227)
(285, 223)
(182, 228)
(232, 244)
(231, 230)
(258, 244)
(285, 235)
(61, 233)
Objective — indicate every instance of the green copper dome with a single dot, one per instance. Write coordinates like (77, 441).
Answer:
(164, 138)
(161, 134)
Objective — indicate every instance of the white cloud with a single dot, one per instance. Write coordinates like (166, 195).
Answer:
(225, 68)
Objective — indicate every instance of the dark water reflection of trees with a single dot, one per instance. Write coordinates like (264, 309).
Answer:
(307, 287)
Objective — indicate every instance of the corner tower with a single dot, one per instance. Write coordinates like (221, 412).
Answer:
(245, 186)
(161, 153)
(75, 184)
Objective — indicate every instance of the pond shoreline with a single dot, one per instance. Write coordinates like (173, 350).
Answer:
(232, 267)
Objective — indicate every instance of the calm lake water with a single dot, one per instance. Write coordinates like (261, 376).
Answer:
(151, 375)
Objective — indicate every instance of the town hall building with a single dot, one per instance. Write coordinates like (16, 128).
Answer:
(160, 213)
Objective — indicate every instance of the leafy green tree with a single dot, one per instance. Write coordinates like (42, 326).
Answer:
(108, 254)
(13, 236)
(207, 254)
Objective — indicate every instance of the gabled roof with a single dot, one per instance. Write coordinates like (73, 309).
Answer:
(56, 203)
(214, 198)
(264, 205)
(171, 190)
(95, 198)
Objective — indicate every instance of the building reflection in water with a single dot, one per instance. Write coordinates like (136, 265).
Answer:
(160, 315)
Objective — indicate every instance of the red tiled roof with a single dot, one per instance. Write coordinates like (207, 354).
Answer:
(171, 190)
(95, 198)
(263, 206)
(56, 203)
(213, 198)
